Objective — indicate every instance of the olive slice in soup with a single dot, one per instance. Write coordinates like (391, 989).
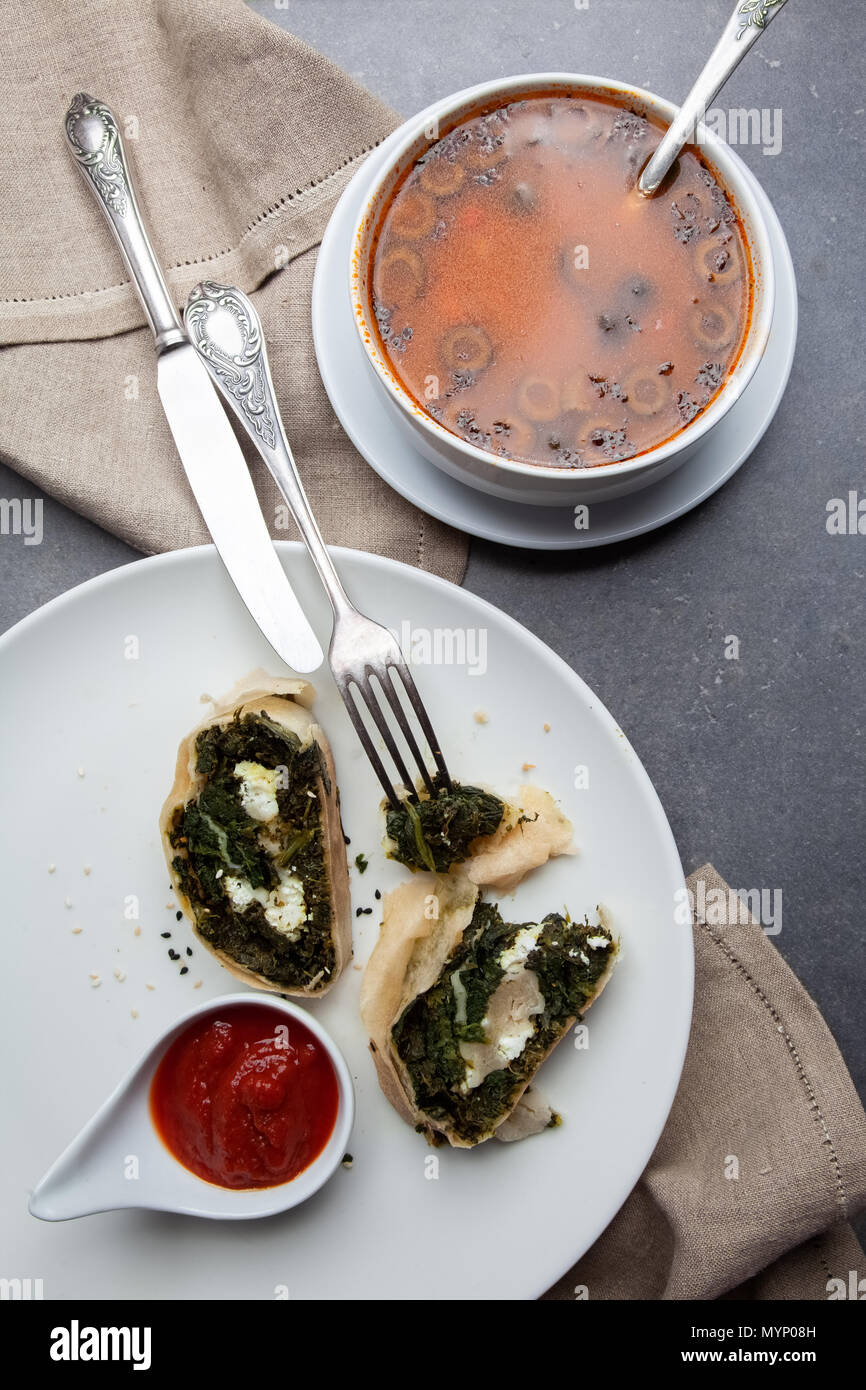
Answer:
(648, 393)
(441, 176)
(713, 325)
(717, 262)
(466, 348)
(415, 215)
(400, 276)
(538, 398)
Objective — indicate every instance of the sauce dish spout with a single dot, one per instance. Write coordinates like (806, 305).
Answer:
(121, 1160)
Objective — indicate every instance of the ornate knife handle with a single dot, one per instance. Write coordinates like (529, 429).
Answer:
(93, 136)
(226, 332)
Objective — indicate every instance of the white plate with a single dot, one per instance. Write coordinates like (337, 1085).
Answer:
(501, 1222)
(389, 448)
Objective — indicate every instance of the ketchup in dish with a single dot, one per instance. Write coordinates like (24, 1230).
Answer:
(245, 1097)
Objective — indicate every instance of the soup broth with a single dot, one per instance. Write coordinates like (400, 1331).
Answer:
(533, 303)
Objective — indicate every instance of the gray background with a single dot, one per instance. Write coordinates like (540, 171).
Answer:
(759, 762)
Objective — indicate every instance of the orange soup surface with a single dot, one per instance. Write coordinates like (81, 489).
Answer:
(531, 301)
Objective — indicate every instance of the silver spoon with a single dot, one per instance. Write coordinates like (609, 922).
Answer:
(745, 26)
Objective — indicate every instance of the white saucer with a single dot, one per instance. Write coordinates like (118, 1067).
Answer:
(391, 453)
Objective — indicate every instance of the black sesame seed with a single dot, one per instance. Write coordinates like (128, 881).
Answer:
(358, 911)
(174, 955)
(178, 916)
(377, 895)
(184, 970)
(189, 950)
(165, 935)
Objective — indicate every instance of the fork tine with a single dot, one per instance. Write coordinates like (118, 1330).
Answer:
(377, 714)
(389, 690)
(423, 719)
(367, 743)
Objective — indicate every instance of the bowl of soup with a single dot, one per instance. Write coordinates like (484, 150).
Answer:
(540, 330)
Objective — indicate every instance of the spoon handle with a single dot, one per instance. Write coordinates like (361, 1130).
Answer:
(746, 24)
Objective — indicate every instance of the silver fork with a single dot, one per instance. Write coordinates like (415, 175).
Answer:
(226, 331)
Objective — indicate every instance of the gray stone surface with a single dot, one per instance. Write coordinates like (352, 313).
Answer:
(759, 762)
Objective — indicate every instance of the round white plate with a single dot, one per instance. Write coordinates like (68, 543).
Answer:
(390, 450)
(97, 690)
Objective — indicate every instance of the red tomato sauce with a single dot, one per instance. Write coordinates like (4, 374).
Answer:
(246, 1097)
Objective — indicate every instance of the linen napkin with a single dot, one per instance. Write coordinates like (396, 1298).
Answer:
(762, 1163)
(241, 139)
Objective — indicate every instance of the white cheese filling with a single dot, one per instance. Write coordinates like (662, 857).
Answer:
(512, 1012)
(525, 943)
(285, 906)
(258, 790)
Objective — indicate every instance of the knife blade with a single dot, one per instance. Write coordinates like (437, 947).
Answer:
(210, 453)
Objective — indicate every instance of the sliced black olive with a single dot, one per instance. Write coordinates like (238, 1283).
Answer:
(717, 262)
(712, 326)
(648, 393)
(466, 348)
(441, 177)
(399, 275)
(412, 215)
(538, 398)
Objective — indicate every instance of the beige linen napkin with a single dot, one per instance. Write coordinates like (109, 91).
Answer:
(241, 139)
(763, 1159)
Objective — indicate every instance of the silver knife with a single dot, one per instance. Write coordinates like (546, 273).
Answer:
(209, 451)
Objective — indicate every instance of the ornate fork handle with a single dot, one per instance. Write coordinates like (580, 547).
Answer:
(226, 331)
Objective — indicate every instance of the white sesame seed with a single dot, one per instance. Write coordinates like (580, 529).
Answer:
(52, 868)
(119, 974)
(81, 772)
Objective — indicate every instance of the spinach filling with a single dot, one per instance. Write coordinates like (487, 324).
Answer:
(216, 838)
(436, 831)
(428, 1034)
